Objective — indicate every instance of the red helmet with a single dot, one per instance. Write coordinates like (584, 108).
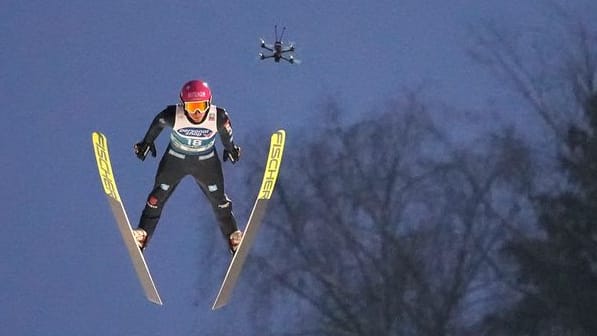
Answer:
(195, 90)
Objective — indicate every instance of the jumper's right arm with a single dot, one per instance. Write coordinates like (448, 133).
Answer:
(163, 119)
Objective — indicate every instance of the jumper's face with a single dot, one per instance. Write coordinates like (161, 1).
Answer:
(196, 109)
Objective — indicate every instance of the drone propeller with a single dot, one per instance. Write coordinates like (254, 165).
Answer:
(291, 46)
(294, 60)
(265, 45)
(262, 56)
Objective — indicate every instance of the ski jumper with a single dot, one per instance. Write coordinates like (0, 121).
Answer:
(191, 151)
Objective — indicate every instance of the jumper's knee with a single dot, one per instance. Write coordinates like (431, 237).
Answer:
(224, 208)
(155, 201)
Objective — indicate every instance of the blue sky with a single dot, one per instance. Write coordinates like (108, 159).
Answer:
(72, 67)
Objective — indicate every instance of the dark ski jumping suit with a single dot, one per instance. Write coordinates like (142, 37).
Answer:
(191, 151)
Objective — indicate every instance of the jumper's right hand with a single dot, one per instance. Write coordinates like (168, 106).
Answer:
(143, 148)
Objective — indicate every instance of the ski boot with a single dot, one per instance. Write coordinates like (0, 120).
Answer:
(234, 240)
(140, 238)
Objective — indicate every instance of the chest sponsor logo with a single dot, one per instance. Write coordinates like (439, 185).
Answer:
(195, 132)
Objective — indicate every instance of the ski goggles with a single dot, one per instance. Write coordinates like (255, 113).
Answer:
(194, 106)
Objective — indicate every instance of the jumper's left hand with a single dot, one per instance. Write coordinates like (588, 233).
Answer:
(232, 155)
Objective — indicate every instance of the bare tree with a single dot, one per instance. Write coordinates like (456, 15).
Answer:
(384, 228)
(554, 72)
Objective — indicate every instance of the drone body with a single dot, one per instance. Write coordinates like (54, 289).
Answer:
(278, 51)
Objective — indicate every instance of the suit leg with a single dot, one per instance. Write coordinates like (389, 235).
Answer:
(210, 179)
(169, 174)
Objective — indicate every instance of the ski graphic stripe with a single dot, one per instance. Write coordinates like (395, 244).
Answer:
(272, 168)
(100, 146)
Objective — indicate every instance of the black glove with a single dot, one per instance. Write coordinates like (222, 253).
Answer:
(142, 148)
(233, 154)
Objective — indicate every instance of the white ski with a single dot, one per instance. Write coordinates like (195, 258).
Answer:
(102, 156)
(272, 169)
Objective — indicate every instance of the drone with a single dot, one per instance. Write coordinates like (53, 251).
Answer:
(278, 50)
